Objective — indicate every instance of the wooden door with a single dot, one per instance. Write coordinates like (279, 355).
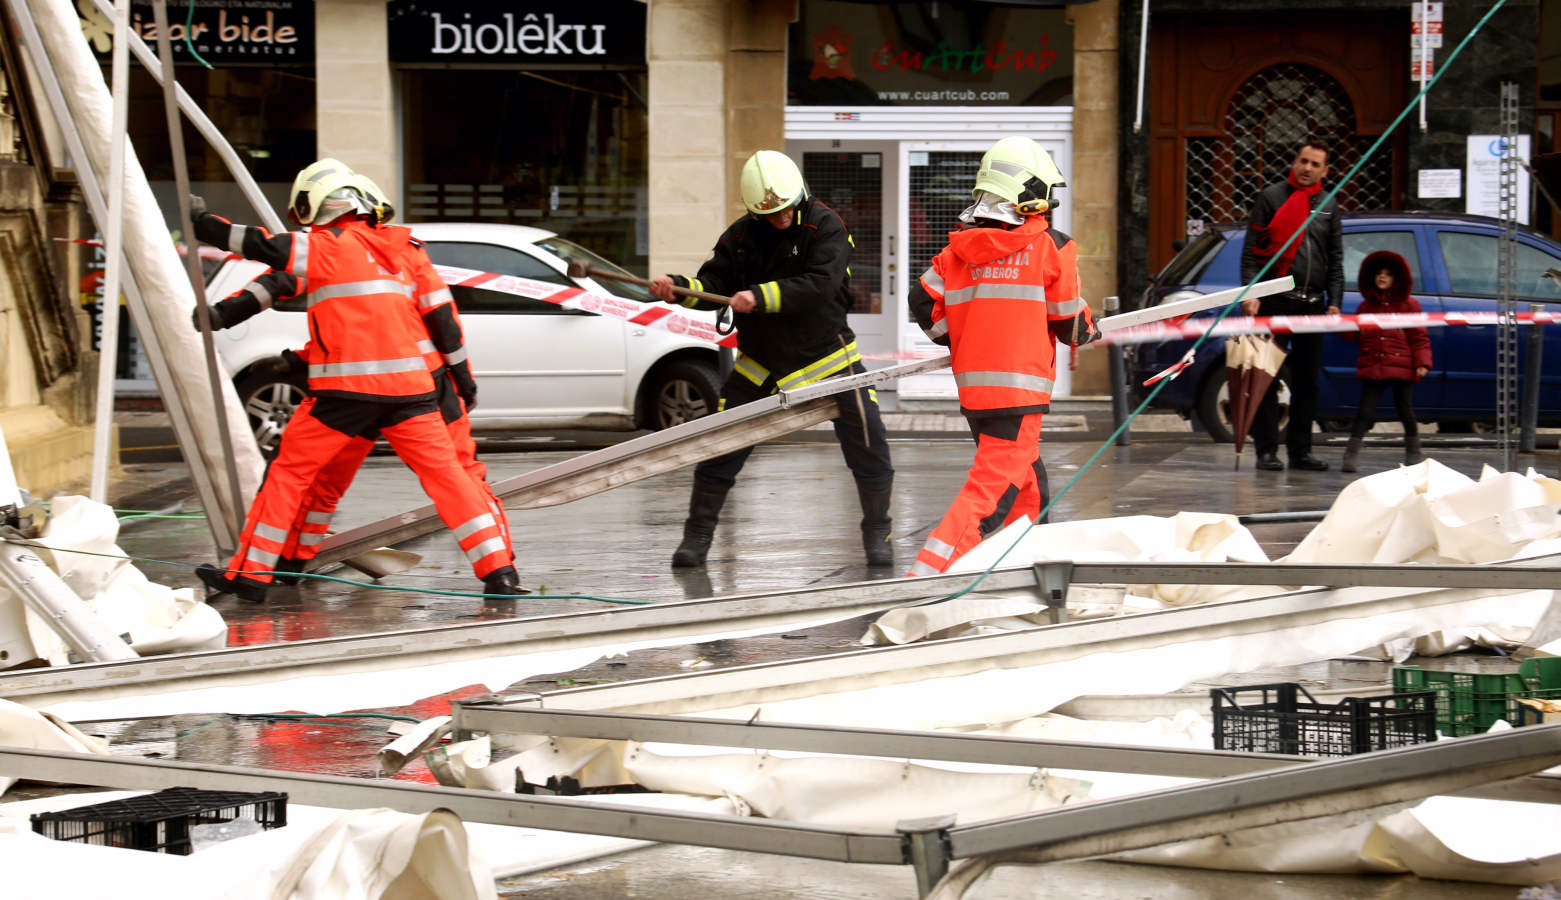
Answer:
(1232, 96)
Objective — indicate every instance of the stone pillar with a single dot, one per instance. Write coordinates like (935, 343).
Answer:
(354, 90)
(755, 87)
(1092, 179)
(686, 57)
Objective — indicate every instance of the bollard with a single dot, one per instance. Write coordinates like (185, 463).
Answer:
(1118, 365)
(1528, 415)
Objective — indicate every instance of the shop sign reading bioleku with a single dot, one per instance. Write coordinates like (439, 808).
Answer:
(582, 33)
(222, 32)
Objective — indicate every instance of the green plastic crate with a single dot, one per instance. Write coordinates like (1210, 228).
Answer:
(1471, 702)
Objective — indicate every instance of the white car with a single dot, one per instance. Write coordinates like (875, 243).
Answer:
(537, 365)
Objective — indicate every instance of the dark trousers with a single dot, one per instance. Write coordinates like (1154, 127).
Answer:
(1371, 390)
(858, 428)
(1305, 362)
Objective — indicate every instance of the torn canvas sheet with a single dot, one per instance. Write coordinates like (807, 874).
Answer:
(80, 534)
(33, 730)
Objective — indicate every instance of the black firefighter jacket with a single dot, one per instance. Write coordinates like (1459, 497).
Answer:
(801, 281)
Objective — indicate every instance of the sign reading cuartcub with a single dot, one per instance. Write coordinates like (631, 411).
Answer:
(559, 33)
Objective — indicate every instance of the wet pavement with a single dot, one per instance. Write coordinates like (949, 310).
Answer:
(790, 522)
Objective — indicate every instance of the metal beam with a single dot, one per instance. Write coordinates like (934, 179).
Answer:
(490, 718)
(652, 454)
(208, 130)
(1493, 577)
(769, 682)
(1267, 798)
(217, 513)
(522, 810)
(482, 640)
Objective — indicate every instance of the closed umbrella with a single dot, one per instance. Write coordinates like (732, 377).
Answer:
(1252, 362)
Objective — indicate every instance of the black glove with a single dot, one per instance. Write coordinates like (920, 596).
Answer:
(285, 363)
(465, 384)
(197, 206)
(216, 317)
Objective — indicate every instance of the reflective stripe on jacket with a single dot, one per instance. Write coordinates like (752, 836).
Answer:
(995, 293)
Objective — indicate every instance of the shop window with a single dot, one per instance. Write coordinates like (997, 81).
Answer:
(564, 151)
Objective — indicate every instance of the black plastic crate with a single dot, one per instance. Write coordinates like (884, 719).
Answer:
(1273, 718)
(159, 822)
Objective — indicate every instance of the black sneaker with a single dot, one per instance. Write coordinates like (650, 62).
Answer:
(1269, 462)
(504, 582)
(216, 578)
(1309, 463)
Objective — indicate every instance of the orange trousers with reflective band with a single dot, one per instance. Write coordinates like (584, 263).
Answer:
(422, 442)
(1002, 485)
(313, 521)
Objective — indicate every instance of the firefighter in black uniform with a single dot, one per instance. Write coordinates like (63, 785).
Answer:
(786, 267)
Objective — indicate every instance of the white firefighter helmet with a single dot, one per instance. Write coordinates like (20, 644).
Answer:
(325, 191)
(1017, 170)
(771, 182)
(378, 200)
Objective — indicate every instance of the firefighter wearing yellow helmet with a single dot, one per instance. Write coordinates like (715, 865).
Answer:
(786, 266)
(1001, 295)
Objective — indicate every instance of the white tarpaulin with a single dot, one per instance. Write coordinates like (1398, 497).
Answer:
(158, 619)
(322, 854)
(159, 273)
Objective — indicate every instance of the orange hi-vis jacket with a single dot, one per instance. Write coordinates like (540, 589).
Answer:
(999, 297)
(369, 342)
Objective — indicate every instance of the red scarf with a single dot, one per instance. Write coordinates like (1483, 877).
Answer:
(1287, 220)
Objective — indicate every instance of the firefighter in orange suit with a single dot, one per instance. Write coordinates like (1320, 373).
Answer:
(1000, 296)
(368, 368)
(457, 392)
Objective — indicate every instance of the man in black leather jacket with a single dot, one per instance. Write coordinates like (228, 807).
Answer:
(1316, 261)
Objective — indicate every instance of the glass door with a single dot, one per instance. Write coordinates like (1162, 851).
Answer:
(851, 178)
(939, 177)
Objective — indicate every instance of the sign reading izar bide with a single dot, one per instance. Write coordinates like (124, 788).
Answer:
(578, 33)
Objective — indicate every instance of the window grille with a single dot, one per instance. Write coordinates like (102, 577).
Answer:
(1268, 118)
(852, 185)
(940, 182)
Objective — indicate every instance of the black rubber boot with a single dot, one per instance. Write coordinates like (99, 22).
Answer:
(287, 570)
(216, 578)
(704, 510)
(1351, 455)
(1412, 454)
(504, 582)
(875, 521)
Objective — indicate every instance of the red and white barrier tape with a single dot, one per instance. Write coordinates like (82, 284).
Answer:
(1191, 328)
(650, 315)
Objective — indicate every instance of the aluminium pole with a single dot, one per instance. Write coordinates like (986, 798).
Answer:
(208, 130)
(114, 247)
(192, 261)
(1534, 354)
(92, 190)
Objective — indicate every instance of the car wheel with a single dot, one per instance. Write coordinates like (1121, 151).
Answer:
(269, 401)
(1214, 404)
(680, 392)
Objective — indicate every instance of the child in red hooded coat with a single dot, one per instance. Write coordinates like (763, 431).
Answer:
(1395, 358)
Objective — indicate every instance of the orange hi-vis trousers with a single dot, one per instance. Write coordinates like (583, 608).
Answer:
(312, 524)
(1007, 480)
(423, 443)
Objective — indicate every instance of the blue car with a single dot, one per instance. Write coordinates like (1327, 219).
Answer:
(1454, 262)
